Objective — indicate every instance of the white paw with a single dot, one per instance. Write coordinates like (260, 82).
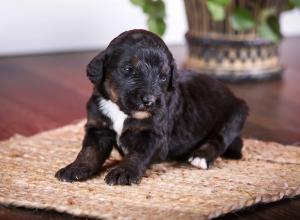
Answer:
(199, 162)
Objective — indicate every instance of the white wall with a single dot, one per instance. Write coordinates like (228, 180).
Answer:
(290, 23)
(35, 26)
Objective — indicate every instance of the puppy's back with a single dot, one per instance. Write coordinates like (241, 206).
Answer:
(208, 96)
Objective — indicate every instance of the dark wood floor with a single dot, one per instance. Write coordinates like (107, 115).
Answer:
(47, 91)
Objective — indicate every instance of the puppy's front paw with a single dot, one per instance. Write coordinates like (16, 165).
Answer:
(74, 172)
(122, 176)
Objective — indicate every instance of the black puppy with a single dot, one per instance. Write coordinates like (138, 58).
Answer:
(151, 112)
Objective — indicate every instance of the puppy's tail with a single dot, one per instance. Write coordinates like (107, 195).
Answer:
(234, 150)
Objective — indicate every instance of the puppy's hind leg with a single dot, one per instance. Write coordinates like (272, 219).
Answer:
(234, 150)
(225, 141)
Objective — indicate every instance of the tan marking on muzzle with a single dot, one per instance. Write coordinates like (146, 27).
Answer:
(141, 115)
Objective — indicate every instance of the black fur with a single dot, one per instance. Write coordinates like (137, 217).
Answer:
(189, 114)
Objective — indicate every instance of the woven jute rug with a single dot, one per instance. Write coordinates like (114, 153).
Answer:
(268, 172)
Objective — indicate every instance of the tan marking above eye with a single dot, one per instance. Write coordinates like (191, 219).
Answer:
(165, 69)
(135, 61)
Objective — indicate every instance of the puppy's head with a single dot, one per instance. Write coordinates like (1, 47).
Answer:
(136, 71)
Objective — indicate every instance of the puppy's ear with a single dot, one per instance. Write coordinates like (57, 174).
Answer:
(95, 68)
(174, 75)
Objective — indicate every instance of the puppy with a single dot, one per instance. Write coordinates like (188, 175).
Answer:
(150, 112)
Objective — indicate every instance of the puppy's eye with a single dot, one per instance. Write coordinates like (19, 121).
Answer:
(163, 77)
(128, 69)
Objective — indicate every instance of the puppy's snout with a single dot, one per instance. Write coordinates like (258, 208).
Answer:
(148, 100)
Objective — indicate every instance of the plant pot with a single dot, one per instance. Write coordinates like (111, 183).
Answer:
(218, 50)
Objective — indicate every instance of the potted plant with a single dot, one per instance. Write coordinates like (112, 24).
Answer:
(233, 40)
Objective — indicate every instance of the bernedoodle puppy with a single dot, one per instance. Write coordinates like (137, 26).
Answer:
(151, 112)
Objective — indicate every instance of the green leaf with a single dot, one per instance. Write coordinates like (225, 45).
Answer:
(242, 19)
(295, 3)
(266, 13)
(154, 9)
(266, 32)
(156, 25)
(273, 22)
(216, 10)
(222, 2)
(138, 2)
(268, 27)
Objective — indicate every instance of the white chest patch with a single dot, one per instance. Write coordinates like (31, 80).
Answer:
(112, 111)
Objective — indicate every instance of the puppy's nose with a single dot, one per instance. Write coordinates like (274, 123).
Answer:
(148, 100)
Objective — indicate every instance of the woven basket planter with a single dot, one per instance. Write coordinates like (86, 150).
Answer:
(218, 50)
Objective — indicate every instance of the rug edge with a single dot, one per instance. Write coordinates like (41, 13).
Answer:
(258, 200)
